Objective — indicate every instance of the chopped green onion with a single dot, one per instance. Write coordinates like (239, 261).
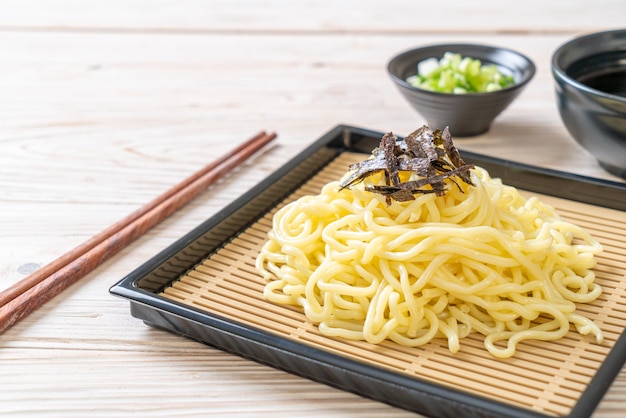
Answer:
(456, 74)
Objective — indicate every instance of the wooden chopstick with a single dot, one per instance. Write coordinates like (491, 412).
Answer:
(38, 288)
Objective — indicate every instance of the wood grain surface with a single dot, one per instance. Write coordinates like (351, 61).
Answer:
(106, 104)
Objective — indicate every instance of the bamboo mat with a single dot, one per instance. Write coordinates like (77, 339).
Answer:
(546, 377)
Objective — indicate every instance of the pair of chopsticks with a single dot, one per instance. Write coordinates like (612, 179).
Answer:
(24, 297)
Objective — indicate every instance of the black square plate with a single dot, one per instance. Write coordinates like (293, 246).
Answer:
(142, 287)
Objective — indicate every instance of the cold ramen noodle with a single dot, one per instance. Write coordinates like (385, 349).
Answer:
(414, 245)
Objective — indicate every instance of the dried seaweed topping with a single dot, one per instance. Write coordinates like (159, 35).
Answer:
(429, 157)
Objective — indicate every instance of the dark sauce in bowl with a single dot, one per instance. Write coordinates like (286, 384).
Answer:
(605, 72)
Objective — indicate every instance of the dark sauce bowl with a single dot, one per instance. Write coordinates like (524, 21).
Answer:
(590, 81)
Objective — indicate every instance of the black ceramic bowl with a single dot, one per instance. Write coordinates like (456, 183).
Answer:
(465, 114)
(590, 77)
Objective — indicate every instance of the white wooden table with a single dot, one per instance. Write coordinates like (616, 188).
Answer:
(106, 104)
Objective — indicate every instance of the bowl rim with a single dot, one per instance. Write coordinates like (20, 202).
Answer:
(521, 83)
(559, 73)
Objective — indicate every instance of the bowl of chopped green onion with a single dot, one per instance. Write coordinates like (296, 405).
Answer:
(461, 86)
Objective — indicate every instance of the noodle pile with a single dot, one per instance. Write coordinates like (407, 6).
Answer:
(478, 259)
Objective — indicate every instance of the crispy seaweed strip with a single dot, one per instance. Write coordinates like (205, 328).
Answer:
(415, 186)
(430, 156)
(454, 155)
